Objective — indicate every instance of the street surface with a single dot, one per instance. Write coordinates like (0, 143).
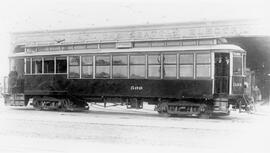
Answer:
(117, 129)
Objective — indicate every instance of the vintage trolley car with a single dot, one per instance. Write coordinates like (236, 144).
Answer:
(188, 77)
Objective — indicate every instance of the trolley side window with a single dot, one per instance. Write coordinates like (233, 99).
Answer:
(103, 66)
(28, 66)
(43, 49)
(203, 65)
(120, 66)
(169, 64)
(79, 47)
(154, 66)
(237, 64)
(137, 66)
(92, 46)
(87, 66)
(48, 65)
(31, 49)
(186, 65)
(17, 65)
(37, 65)
(67, 47)
(142, 44)
(61, 65)
(158, 44)
(107, 45)
(74, 67)
(54, 48)
(189, 42)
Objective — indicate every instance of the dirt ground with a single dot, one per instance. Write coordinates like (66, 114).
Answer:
(117, 129)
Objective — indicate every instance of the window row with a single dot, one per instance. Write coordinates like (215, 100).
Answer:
(124, 66)
(71, 47)
(113, 45)
(175, 43)
(140, 66)
(45, 65)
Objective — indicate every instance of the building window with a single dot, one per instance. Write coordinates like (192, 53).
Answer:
(137, 66)
(48, 65)
(203, 65)
(186, 62)
(237, 64)
(28, 66)
(74, 67)
(169, 66)
(61, 65)
(37, 65)
(120, 66)
(102, 66)
(154, 66)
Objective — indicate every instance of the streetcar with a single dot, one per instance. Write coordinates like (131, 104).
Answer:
(180, 77)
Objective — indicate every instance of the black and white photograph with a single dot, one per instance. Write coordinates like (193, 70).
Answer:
(134, 76)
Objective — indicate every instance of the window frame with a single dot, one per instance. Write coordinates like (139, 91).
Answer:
(77, 65)
(53, 59)
(189, 63)
(91, 64)
(126, 64)
(238, 55)
(66, 59)
(203, 63)
(138, 64)
(169, 64)
(32, 66)
(103, 65)
(154, 64)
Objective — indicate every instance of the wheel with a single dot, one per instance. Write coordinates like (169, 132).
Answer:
(37, 105)
(205, 116)
(164, 114)
(162, 110)
(64, 105)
